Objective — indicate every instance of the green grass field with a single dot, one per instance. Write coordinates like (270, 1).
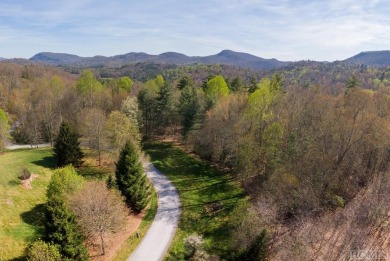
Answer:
(21, 215)
(207, 197)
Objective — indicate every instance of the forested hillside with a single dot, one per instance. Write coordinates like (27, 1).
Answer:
(306, 154)
(309, 143)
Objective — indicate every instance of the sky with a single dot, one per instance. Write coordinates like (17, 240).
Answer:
(288, 30)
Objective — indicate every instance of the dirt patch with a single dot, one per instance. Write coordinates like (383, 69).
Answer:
(114, 242)
(27, 182)
(8, 202)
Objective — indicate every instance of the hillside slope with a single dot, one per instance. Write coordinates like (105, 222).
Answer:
(362, 228)
(374, 58)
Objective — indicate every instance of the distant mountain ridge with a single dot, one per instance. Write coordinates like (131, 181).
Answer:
(1, 59)
(372, 58)
(225, 57)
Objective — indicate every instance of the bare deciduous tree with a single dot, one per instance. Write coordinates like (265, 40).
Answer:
(100, 211)
(92, 126)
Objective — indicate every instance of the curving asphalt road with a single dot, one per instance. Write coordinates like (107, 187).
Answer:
(157, 240)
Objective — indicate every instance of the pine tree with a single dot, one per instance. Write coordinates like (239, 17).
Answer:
(67, 147)
(130, 178)
(188, 107)
(62, 229)
(61, 226)
(165, 105)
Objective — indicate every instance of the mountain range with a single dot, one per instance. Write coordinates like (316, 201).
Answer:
(225, 57)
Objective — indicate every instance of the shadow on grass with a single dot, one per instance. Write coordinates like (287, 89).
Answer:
(47, 162)
(208, 196)
(14, 183)
(90, 172)
(35, 217)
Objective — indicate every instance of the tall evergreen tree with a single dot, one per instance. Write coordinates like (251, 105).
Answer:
(67, 147)
(188, 107)
(61, 225)
(165, 105)
(131, 179)
(62, 229)
(184, 82)
(236, 84)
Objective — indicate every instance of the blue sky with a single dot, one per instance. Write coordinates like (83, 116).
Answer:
(287, 30)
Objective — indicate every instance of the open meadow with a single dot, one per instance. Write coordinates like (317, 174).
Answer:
(21, 215)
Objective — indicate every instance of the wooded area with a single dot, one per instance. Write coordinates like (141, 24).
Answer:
(303, 141)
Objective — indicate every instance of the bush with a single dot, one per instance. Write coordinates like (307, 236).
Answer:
(42, 251)
(193, 244)
(25, 174)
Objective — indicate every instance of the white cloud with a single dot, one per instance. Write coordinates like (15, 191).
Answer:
(284, 29)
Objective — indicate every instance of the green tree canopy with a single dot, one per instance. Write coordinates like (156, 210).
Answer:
(88, 83)
(125, 84)
(131, 179)
(119, 129)
(61, 226)
(236, 84)
(189, 108)
(42, 251)
(184, 82)
(89, 88)
(165, 105)
(216, 88)
(130, 108)
(64, 181)
(352, 82)
(67, 147)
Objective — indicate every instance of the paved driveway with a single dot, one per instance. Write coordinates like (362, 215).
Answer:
(160, 234)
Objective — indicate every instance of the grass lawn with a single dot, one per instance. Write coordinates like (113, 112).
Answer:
(207, 197)
(21, 214)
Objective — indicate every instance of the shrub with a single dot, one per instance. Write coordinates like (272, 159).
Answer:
(42, 251)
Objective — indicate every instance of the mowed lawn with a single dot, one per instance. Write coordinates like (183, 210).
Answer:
(208, 198)
(21, 209)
